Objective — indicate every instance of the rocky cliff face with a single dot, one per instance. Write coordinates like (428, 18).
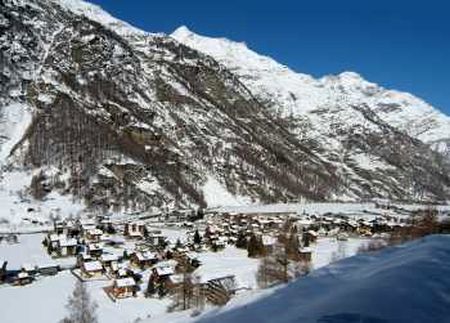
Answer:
(120, 118)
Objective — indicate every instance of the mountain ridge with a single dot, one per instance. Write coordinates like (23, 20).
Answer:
(240, 59)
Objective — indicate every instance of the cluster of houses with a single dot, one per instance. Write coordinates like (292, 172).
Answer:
(133, 256)
(221, 229)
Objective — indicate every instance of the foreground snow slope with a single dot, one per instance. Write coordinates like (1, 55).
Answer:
(408, 283)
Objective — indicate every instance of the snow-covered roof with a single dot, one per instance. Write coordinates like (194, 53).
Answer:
(146, 255)
(92, 266)
(68, 242)
(125, 282)
(22, 275)
(109, 257)
(95, 232)
(164, 270)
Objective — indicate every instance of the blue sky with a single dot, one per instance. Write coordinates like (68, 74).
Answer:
(399, 44)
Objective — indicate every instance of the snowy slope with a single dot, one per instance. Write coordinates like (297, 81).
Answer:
(298, 94)
(408, 283)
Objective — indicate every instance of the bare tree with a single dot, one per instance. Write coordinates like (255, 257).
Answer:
(81, 307)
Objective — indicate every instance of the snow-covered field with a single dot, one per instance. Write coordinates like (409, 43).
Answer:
(29, 251)
(408, 283)
(366, 210)
(48, 295)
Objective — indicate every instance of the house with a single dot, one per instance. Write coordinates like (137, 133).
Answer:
(23, 278)
(84, 225)
(163, 271)
(109, 261)
(143, 259)
(135, 230)
(94, 234)
(310, 236)
(124, 287)
(161, 277)
(83, 257)
(92, 269)
(52, 241)
(305, 254)
(67, 247)
(156, 239)
(95, 250)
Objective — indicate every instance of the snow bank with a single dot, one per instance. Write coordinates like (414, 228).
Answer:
(407, 283)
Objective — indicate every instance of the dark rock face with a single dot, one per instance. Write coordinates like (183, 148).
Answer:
(141, 120)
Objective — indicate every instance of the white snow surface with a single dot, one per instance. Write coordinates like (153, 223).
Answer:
(407, 283)
(216, 195)
(96, 13)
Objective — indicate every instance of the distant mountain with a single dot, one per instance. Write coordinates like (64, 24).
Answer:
(294, 94)
(95, 109)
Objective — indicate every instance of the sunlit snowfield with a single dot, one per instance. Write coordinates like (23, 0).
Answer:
(52, 292)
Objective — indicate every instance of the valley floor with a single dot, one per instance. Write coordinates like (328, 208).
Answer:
(45, 299)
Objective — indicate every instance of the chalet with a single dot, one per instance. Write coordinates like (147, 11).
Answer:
(83, 257)
(156, 239)
(143, 259)
(109, 262)
(136, 230)
(311, 236)
(67, 247)
(48, 269)
(92, 269)
(218, 291)
(23, 278)
(94, 235)
(52, 241)
(84, 225)
(95, 250)
(305, 254)
(124, 287)
(163, 271)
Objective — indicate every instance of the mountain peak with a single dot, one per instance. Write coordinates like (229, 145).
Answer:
(182, 32)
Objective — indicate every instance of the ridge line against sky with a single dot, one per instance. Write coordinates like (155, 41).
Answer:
(402, 45)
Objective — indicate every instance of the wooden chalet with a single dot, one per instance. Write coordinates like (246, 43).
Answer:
(67, 247)
(92, 269)
(109, 262)
(124, 288)
(305, 254)
(94, 235)
(135, 230)
(143, 259)
(95, 250)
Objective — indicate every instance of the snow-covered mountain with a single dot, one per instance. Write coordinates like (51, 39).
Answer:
(118, 118)
(297, 94)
